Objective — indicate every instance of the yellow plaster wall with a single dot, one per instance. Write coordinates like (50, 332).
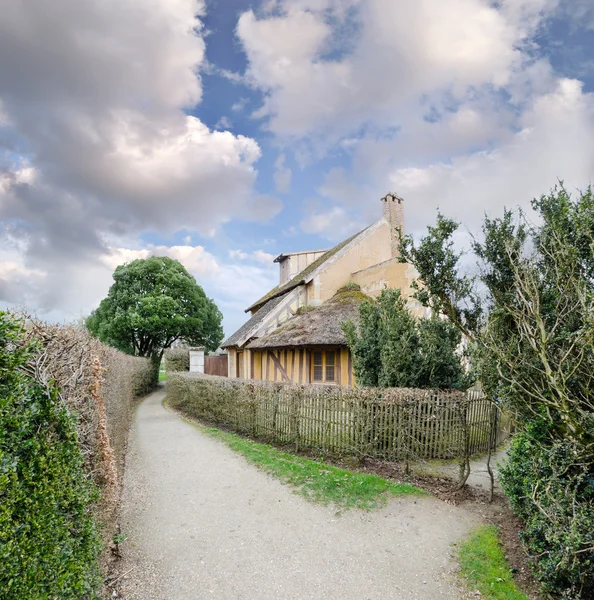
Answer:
(232, 364)
(390, 274)
(371, 250)
(296, 362)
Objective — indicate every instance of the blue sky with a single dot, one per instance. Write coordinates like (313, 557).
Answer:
(225, 132)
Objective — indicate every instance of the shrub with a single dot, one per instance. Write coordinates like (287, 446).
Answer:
(98, 385)
(177, 359)
(386, 423)
(391, 348)
(48, 539)
(551, 487)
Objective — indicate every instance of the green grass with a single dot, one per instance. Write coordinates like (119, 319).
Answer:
(162, 375)
(484, 567)
(317, 481)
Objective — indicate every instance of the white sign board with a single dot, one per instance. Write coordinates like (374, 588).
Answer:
(197, 360)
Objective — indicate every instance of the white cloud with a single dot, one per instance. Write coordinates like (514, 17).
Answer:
(282, 175)
(263, 257)
(238, 254)
(239, 105)
(224, 123)
(233, 286)
(259, 256)
(334, 224)
(231, 75)
(554, 142)
(398, 54)
(450, 104)
(96, 92)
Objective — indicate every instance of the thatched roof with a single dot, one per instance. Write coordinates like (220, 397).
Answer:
(300, 278)
(320, 326)
(252, 324)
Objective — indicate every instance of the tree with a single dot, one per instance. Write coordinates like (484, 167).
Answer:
(533, 328)
(153, 303)
(391, 348)
(441, 359)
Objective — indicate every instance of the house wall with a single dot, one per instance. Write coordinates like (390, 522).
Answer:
(390, 274)
(295, 263)
(368, 263)
(295, 362)
(370, 250)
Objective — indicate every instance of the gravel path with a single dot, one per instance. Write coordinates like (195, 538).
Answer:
(202, 523)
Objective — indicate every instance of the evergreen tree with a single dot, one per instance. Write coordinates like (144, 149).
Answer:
(152, 303)
(391, 348)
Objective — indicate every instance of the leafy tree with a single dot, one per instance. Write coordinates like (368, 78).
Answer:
(153, 303)
(534, 333)
(392, 349)
(366, 345)
(441, 365)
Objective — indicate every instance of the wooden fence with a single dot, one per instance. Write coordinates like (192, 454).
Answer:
(393, 424)
(216, 365)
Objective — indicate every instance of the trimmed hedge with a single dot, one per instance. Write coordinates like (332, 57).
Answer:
(177, 359)
(98, 385)
(49, 543)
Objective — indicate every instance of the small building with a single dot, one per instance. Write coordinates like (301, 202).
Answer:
(294, 333)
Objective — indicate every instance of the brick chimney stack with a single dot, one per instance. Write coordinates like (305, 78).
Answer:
(394, 214)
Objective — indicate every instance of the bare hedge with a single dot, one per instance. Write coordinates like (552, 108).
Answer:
(177, 359)
(394, 424)
(99, 385)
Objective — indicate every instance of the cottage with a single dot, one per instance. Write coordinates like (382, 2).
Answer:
(294, 333)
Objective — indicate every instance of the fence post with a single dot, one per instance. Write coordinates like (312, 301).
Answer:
(295, 400)
(465, 462)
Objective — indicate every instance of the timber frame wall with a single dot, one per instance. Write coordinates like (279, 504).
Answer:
(288, 365)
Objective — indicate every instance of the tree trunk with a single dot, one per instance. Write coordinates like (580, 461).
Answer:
(156, 363)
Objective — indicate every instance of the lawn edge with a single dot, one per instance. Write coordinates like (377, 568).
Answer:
(219, 434)
(472, 583)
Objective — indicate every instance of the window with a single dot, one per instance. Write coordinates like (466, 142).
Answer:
(323, 366)
(318, 366)
(329, 366)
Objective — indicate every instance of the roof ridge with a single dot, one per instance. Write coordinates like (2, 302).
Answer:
(299, 278)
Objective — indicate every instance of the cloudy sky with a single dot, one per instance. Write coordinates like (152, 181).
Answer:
(224, 132)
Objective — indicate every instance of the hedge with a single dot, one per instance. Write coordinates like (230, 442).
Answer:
(48, 538)
(552, 489)
(177, 359)
(386, 423)
(97, 387)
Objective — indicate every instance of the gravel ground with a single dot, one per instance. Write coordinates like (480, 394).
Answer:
(202, 523)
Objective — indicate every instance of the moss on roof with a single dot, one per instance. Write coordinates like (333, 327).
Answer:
(301, 276)
(319, 327)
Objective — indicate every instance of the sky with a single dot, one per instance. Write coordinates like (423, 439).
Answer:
(225, 132)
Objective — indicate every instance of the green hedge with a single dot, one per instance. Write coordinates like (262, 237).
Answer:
(551, 487)
(48, 539)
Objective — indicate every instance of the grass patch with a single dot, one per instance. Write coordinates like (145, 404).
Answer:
(317, 481)
(162, 375)
(484, 567)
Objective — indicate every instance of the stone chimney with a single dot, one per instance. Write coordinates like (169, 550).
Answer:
(394, 214)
